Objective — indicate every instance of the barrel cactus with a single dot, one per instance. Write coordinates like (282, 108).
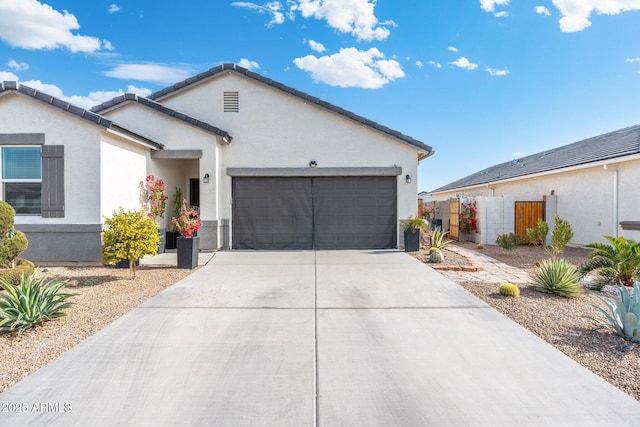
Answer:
(436, 256)
(509, 290)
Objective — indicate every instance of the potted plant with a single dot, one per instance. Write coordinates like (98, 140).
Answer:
(175, 212)
(412, 228)
(157, 203)
(187, 224)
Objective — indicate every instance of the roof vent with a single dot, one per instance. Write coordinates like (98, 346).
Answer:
(232, 102)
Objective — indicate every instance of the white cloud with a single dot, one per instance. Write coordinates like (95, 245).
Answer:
(490, 5)
(274, 9)
(502, 14)
(435, 64)
(453, 49)
(156, 73)
(576, 13)
(317, 47)
(8, 76)
(541, 10)
(352, 68)
(355, 17)
(464, 64)
(636, 59)
(113, 8)
(419, 64)
(249, 65)
(29, 24)
(497, 73)
(517, 154)
(18, 66)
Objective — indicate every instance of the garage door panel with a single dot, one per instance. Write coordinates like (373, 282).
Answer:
(272, 213)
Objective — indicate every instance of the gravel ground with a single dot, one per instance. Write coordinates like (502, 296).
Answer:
(559, 320)
(104, 294)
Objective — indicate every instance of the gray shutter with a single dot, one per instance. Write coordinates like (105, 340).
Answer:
(53, 181)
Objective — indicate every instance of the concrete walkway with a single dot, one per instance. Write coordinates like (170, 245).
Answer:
(342, 338)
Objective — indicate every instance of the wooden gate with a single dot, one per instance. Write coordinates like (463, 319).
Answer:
(454, 219)
(527, 214)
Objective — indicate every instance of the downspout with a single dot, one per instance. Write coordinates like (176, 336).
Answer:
(615, 197)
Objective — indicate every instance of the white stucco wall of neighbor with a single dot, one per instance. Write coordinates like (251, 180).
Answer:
(20, 114)
(593, 199)
(277, 130)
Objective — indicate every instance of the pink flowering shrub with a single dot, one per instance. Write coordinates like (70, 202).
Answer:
(188, 222)
(155, 195)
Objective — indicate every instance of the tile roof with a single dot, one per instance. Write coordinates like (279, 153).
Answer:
(131, 97)
(424, 148)
(612, 145)
(97, 119)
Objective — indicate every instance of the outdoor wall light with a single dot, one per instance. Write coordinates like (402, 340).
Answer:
(206, 178)
(313, 164)
(407, 178)
(227, 139)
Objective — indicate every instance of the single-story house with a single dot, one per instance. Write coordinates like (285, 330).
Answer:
(268, 167)
(592, 183)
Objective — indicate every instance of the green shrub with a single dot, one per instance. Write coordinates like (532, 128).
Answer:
(538, 235)
(623, 315)
(176, 204)
(616, 263)
(23, 267)
(558, 277)
(509, 290)
(33, 302)
(560, 236)
(12, 241)
(509, 241)
(413, 224)
(130, 235)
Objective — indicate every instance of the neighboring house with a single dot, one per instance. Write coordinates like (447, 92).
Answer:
(268, 166)
(591, 183)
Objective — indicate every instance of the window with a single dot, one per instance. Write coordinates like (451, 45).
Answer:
(22, 178)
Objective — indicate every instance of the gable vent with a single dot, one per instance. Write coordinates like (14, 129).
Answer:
(231, 102)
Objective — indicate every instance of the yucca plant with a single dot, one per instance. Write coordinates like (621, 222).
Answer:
(33, 302)
(437, 242)
(558, 277)
(623, 315)
(616, 263)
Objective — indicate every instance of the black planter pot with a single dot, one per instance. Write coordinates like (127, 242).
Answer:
(124, 263)
(411, 241)
(188, 248)
(170, 239)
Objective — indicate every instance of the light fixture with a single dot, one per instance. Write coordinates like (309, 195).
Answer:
(313, 164)
(206, 178)
(407, 178)
(227, 139)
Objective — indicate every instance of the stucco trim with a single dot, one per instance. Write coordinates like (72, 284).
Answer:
(177, 154)
(22, 138)
(356, 171)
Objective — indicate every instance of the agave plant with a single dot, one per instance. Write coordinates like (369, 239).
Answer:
(33, 302)
(558, 277)
(618, 262)
(437, 242)
(623, 315)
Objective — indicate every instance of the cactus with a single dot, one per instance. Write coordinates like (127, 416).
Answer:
(436, 256)
(509, 290)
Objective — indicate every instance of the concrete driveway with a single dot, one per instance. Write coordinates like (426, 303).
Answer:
(343, 338)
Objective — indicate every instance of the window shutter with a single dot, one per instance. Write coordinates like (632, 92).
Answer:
(53, 181)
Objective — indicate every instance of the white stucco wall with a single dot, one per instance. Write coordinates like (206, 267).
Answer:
(276, 130)
(81, 139)
(123, 172)
(586, 197)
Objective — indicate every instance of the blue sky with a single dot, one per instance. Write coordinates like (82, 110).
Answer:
(481, 82)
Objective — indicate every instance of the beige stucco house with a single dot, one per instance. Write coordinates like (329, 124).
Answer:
(592, 183)
(268, 166)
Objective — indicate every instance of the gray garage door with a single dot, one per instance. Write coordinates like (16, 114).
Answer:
(319, 212)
